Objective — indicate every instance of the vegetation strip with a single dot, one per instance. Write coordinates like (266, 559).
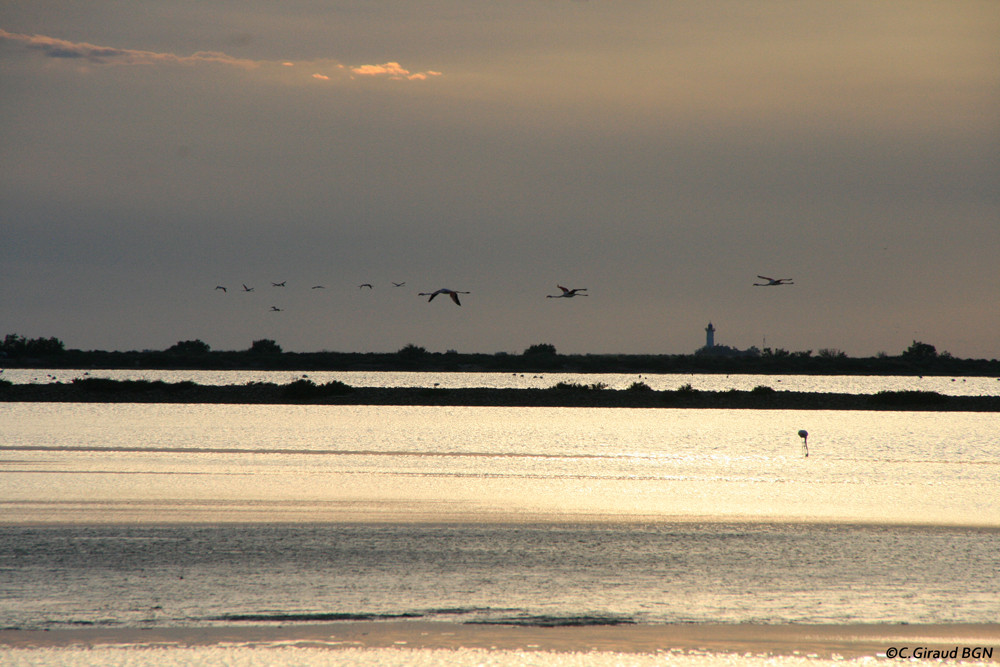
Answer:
(639, 395)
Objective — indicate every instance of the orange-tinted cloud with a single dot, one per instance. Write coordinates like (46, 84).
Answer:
(392, 70)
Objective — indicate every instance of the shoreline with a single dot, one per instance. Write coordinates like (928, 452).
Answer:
(304, 392)
(822, 640)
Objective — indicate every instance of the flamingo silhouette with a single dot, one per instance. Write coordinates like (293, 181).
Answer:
(452, 293)
(221, 288)
(771, 282)
(247, 289)
(368, 285)
(281, 284)
(275, 309)
(567, 293)
(804, 434)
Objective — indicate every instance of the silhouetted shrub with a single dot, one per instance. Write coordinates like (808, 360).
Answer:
(300, 388)
(336, 387)
(913, 397)
(918, 350)
(189, 347)
(265, 346)
(576, 386)
(411, 351)
(308, 389)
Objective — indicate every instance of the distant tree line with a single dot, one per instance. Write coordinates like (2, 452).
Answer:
(18, 346)
(918, 359)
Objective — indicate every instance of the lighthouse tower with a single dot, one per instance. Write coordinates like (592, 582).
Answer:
(710, 335)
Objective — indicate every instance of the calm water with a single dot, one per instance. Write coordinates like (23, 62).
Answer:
(131, 514)
(762, 573)
(846, 384)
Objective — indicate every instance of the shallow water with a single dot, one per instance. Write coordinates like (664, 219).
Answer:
(145, 514)
(555, 574)
(143, 462)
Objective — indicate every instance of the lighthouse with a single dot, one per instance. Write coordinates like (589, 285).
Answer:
(710, 335)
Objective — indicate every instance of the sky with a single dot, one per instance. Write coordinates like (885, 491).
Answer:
(661, 155)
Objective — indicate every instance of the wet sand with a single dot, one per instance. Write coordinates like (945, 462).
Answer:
(822, 641)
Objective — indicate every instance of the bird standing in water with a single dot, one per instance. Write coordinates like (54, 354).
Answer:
(804, 434)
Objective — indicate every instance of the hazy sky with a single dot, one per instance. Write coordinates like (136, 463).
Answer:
(660, 154)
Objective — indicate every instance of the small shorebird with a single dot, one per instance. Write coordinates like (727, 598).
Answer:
(450, 292)
(247, 289)
(567, 293)
(771, 282)
(221, 288)
(804, 434)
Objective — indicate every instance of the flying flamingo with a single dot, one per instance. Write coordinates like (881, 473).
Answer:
(281, 284)
(773, 281)
(221, 288)
(452, 293)
(368, 285)
(567, 293)
(275, 309)
(247, 289)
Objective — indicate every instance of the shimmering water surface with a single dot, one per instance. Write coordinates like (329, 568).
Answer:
(139, 514)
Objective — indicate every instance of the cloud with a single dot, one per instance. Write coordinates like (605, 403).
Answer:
(421, 76)
(393, 70)
(54, 47)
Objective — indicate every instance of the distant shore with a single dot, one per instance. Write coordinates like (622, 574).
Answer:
(266, 355)
(102, 390)
(846, 641)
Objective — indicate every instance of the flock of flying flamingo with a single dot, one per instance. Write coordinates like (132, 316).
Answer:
(453, 294)
(566, 292)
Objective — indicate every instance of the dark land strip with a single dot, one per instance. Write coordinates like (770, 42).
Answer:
(101, 390)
